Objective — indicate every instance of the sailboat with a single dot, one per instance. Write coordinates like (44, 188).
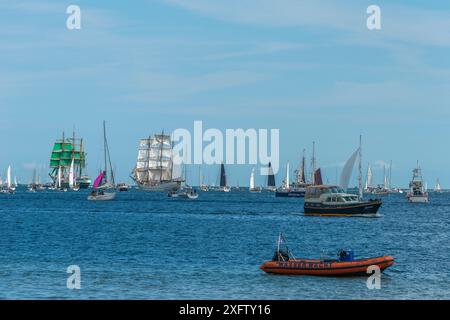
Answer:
(154, 171)
(104, 187)
(368, 187)
(202, 185)
(382, 189)
(252, 187)
(417, 191)
(9, 188)
(271, 185)
(329, 200)
(186, 191)
(437, 187)
(223, 180)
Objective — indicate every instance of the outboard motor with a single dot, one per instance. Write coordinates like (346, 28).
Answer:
(345, 255)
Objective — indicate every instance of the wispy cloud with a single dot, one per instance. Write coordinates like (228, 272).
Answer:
(399, 23)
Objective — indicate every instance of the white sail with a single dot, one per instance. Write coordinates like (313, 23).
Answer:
(58, 182)
(437, 188)
(369, 177)
(71, 175)
(252, 179)
(8, 177)
(15, 181)
(287, 176)
(347, 170)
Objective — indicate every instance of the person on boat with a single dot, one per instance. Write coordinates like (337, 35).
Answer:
(280, 255)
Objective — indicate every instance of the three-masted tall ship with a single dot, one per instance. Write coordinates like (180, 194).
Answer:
(155, 170)
(67, 162)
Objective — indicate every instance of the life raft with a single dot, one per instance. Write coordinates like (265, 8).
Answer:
(327, 267)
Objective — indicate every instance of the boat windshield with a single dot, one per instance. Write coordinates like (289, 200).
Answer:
(334, 190)
(342, 198)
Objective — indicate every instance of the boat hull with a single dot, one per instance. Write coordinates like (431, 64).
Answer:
(327, 268)
(364, 208)
(103, 197)
(418, 199)
(290, 194)
(161, 187)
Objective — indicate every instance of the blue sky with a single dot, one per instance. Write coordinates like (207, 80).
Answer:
(309, 68)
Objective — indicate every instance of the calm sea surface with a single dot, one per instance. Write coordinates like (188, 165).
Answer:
(149, 246)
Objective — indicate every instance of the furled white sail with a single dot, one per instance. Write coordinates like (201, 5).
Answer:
(252, 179)
(347, 170)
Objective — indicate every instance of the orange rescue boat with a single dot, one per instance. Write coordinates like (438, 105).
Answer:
(284, 262)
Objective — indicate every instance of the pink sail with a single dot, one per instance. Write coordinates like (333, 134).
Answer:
(98, 180)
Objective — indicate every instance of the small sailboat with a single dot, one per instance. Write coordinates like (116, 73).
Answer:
(271, 185)
(368, 187)
(284, 263)
(437, 187)
(202, 185)
(417, 190)
(186, 191)
(223, 180)
(252, 183)
(104, 188)
(9, 188)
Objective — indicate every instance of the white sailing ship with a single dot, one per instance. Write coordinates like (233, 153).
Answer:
(155, 168)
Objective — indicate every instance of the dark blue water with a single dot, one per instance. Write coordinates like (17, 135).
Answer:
(149, 246)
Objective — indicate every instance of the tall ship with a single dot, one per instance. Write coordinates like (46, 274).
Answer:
(67, 164)
(417, 190)
(155, 170)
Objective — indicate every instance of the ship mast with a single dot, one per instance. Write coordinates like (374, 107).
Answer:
(313, 164)
(160, 155)
(104, 152)
(303, 179)
(360, 168)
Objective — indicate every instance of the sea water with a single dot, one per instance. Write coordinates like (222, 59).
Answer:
(150, 246)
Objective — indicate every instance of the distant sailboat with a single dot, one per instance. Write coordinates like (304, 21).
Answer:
(201, 184)
(271, 186)
(252, 182)
(9, 188)
(223, 180)
(368, 186)
(287, 183)
(437, 187)
(104, 186)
